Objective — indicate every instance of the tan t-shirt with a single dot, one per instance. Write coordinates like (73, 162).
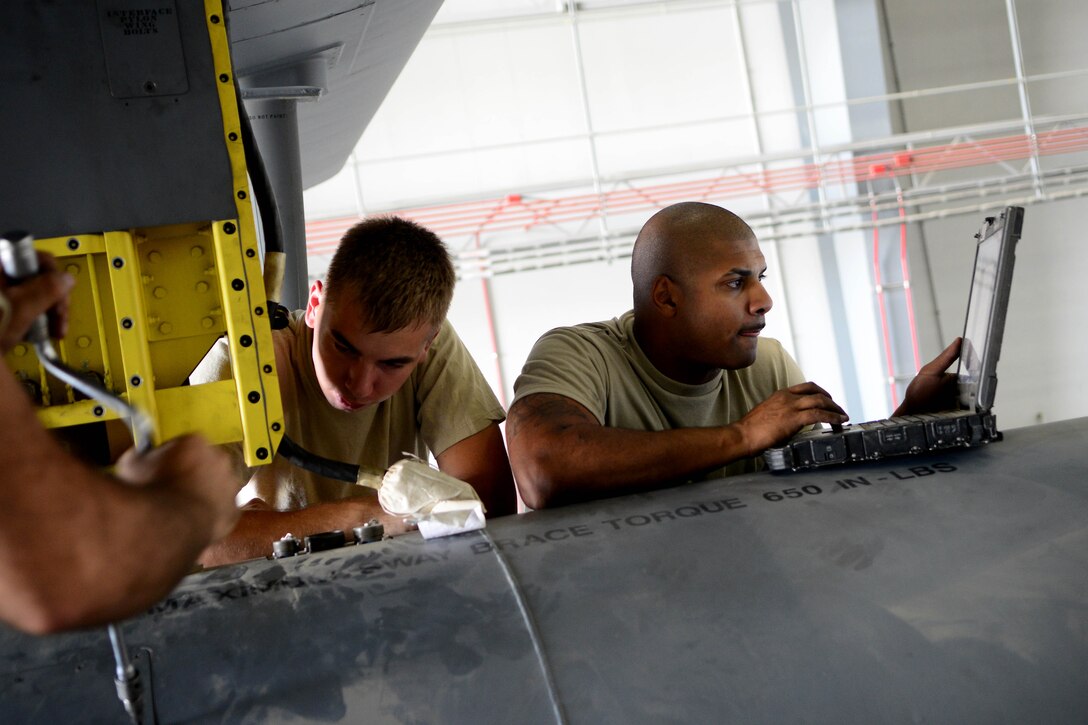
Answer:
(445, 400)
(601, 366)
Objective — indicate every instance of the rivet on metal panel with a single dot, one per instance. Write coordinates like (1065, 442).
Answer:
(214, 19)
(99, 411)
(245, 340)
(73, 244)
(126, 323)
(250, 253)
(166, 328)
(268, 369)
(223, 77)
(154, 256)
(237, 285)
(20, 350)
(241, 194)
(159, 292)
(262, 453)
(276, 427)
(258, 311)
(83, 342)
(254, 396)
(202, 286)
(232, 136)
(118, 263)
(72, 269)
(207, 323)
(229, 228)
(135, 380)
(197, 251)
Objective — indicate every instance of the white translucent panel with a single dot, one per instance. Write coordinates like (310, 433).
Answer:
(832, 126)
(472, 173)
(459, 11)
(853, 255)
(810, 314)
(780, 132)
(1052, 35)
(771, 79)
(648, 69)
(332, 198)
(824, 73)
(962, 108)
(490, 86)
(1059, 96)
(821, 33)
(470, 316)
(696, 145)
(529, 304)
(937, 42)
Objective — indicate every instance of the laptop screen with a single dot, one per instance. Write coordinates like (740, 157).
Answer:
(986, 307)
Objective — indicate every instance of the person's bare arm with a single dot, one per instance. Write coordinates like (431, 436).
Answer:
(560, 453)
(257, 528)
(481, 461)
(78, 547)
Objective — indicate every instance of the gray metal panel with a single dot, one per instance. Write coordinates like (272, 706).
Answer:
(89, 148)
(366, 44)
(941, 589)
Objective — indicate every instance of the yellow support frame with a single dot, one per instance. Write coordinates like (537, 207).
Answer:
(149, 303)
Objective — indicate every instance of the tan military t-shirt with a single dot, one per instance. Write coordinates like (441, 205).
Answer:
(601, 366)
(444, 401)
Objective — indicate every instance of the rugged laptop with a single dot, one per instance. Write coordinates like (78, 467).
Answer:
(972, 424)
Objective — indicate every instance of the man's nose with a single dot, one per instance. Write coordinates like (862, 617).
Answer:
(760, 303)
(362, 378)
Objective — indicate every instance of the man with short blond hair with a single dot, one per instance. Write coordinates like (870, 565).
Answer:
(371, 371)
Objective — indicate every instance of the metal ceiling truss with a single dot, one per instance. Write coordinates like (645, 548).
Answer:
(484, 233)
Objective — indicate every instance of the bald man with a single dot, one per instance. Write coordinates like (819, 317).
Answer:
(683, 386)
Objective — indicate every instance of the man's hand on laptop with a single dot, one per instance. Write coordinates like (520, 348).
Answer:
(784, 414)
(933, 389)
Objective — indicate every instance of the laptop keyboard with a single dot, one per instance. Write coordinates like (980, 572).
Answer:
(874, 440)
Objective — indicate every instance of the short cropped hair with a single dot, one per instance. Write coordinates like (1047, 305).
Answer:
(399, 272)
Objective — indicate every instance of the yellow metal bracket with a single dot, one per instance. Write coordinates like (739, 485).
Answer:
(150, 302)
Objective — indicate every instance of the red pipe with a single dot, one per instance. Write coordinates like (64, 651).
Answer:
(883, 311)
(905, 267)
(489, 319)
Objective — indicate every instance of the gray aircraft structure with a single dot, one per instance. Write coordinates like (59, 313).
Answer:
(946, 588)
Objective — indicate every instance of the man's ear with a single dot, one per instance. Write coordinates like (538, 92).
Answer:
(315, 299)
(665, 295)
(427, 345)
